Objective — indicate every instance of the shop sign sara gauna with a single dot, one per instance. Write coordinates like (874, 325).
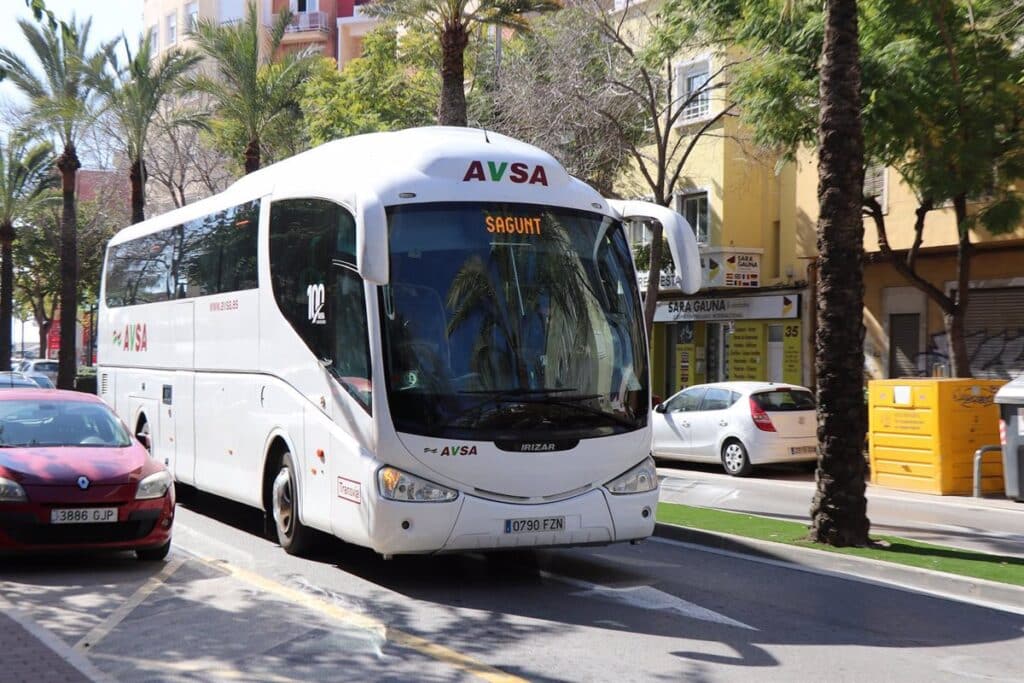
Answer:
(729, 308)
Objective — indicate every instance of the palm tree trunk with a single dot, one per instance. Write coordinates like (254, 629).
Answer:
(6, 293)
(454, 40)
(252, 156)
(839, 509)
(68, 164)
(137, 177)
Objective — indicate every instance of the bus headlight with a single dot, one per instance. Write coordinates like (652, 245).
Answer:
(640, 479)
(395, 484)
(153, 486)
(11, 492)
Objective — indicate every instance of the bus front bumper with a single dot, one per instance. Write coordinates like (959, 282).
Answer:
(472, 523)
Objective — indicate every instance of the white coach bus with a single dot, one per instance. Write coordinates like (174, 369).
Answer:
(419, 341)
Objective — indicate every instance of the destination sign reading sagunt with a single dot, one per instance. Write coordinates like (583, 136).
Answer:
(513, 225)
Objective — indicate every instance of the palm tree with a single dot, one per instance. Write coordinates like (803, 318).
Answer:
(61, 104)
(839, 509)
(453, 21)
(26, 176)
(253, 91)
(134, 94)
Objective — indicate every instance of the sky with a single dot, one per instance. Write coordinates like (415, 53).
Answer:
(109, 19)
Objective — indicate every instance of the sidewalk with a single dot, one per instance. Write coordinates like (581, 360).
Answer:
(989, 525)
(34, 655)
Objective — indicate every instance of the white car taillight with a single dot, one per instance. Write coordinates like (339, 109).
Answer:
(760, 418)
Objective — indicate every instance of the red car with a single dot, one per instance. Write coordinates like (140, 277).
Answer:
(73, 477)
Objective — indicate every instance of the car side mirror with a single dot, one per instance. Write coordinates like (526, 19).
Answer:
(660, 408)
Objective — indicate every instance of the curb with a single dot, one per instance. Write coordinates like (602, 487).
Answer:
(1001, 596)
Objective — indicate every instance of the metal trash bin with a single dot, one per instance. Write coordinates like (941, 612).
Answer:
(1011, 434)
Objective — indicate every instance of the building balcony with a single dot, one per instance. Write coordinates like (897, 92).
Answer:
(306, 22)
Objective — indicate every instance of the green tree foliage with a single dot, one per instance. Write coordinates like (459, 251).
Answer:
(453, 23)
(555, 90)
(27, 181)
(392, 85)
(941, 97)
(62, 104)
(255, 87)
(38, 248)
(134, 93)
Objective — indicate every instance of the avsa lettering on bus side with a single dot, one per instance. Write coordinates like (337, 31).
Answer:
(133, 338)
(518, 172)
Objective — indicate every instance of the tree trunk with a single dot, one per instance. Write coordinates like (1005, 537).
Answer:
(252, 156)
(137, 176)
(653, 280)
(454, 40)
(960, 360)
(6, 293)
(839, 509)
(68, 164)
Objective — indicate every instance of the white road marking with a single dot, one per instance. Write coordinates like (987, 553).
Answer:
(646, 597)
(93, 637)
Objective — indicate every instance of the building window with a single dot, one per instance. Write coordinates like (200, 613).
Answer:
(694, 208)
(692, 86)
(191, 16)
(172, 28)
(875, 184)
(154, 38)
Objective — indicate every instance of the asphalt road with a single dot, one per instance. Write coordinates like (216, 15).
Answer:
(231, 606)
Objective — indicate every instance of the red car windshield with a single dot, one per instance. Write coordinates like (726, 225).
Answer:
(29, 423)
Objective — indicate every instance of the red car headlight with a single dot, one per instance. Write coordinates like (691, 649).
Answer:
(11, 492)
(153, 486)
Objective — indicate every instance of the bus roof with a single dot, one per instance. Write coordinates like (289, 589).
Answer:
(404, 167)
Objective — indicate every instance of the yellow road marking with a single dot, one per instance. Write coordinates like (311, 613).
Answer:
(93, 637)
(393, 635)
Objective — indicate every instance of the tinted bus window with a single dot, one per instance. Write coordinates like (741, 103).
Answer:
(209, 255)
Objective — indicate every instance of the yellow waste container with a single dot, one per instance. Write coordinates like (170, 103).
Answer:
(923, 434)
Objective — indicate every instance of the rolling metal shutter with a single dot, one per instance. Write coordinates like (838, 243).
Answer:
(994, 328)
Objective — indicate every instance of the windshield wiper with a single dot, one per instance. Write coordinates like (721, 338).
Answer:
(555, 397)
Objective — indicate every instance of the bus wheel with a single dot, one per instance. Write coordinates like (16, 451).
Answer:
(291, 534)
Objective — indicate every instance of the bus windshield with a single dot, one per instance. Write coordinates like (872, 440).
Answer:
(501, 320)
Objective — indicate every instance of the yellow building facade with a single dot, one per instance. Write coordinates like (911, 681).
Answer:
(905, 334)
(748, 320)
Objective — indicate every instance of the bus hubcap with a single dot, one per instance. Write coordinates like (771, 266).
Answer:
(283, 505)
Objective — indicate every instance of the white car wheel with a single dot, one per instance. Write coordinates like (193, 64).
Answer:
(735, 459)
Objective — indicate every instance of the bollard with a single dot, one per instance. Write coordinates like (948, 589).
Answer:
(978, 454)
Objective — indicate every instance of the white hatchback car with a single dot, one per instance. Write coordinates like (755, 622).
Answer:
(740, 424)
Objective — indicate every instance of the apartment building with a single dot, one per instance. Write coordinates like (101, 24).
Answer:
(335, 28)
(748, 320)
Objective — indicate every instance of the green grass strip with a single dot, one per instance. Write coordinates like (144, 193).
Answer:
(899, 550)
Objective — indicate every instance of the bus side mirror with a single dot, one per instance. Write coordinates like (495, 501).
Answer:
(372, 239)
(682, 241)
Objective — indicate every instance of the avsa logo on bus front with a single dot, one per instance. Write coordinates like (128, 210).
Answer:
(133, 338)
(453, 450)
(518, 172)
